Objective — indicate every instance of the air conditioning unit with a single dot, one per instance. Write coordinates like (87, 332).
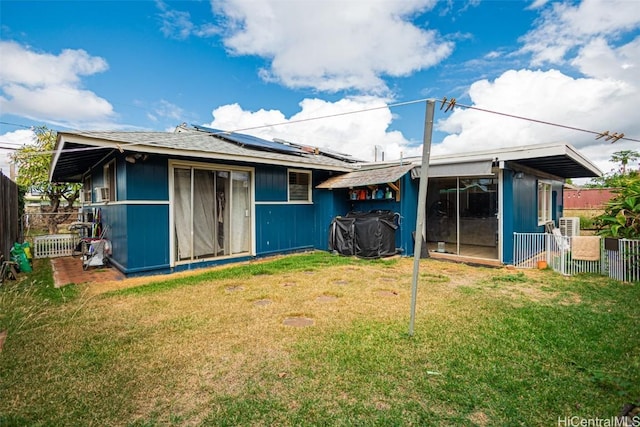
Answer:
(102, 194)
(570, 226)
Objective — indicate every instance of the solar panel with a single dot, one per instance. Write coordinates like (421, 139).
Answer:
(251, 141)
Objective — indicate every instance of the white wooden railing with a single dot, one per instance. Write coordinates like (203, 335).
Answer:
(621, 263)
(54, 245)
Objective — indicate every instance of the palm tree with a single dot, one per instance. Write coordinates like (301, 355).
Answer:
(624, 157)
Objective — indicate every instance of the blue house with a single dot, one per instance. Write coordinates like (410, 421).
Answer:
(172, 201)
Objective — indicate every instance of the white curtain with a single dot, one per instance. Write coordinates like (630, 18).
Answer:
(203, 214)
(210, 218)
(182, 211)
(240, 213)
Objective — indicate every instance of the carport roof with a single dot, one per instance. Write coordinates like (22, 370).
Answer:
(559, 159)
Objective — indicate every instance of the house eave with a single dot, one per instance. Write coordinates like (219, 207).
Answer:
(68, 165)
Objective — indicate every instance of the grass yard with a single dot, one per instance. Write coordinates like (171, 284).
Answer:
(492, 347)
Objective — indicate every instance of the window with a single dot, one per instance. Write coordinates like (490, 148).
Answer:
(86, 190)
(544, 202)
(110, 179)
(299, 186)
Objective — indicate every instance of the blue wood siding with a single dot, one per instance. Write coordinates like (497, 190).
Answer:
(138, 232)
(524, 202)
(115, 217)
(408, 214)
(147, 180)
(271, 183)
(328, 203)
(520, 209)
(148, 237)
(285, 227)
(281, 228)
(508, 215)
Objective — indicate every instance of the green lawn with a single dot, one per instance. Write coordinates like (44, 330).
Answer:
(492, 347)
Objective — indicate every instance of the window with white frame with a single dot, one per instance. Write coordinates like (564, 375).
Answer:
(110, 180)
(299, 186)
(544, 202)
(86, 190)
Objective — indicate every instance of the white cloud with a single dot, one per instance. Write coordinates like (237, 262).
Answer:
(538, 4)
(601, 93)
(179, 24)
(356, 134)
(551, 96)
(598, 59)
(168, 110)
(14, 140)
(565, 27)
(46, 87)
(332, 46)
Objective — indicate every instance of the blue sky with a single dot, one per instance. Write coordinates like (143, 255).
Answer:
(265, 65)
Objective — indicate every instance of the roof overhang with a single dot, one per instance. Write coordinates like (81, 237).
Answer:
(559, 160)
(75, 154)
(479, 167)
(364, 177)
(71, 160)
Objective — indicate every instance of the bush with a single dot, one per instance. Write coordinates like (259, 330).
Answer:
(622, 214)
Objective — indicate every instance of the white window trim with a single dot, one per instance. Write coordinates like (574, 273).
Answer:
(309, 188)
(173, 164)
(87, 190)
(547, 202)
(113, 196)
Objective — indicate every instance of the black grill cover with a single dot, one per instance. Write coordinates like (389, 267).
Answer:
(364, 234)
(342, 235)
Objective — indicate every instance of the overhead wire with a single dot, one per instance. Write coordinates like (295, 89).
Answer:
(451, 104)
(15, 124)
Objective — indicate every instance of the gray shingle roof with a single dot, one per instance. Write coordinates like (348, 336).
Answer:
(367, 177)
(77, 151)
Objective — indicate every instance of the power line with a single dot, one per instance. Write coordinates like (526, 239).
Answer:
(450, 106)
(452, 103)
(328, 116)
(15, 124)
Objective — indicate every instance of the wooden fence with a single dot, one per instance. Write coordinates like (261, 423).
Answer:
(10, 229)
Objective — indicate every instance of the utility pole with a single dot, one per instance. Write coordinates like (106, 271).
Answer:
(422, 201)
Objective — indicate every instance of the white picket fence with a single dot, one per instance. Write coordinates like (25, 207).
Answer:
(54, 245)
(622, 264)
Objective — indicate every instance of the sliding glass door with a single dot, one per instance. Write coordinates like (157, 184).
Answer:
(462, 216)
(211, 212)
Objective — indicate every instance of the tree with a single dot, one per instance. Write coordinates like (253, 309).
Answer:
(620, 178)
(33, 162)
(624, 157)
